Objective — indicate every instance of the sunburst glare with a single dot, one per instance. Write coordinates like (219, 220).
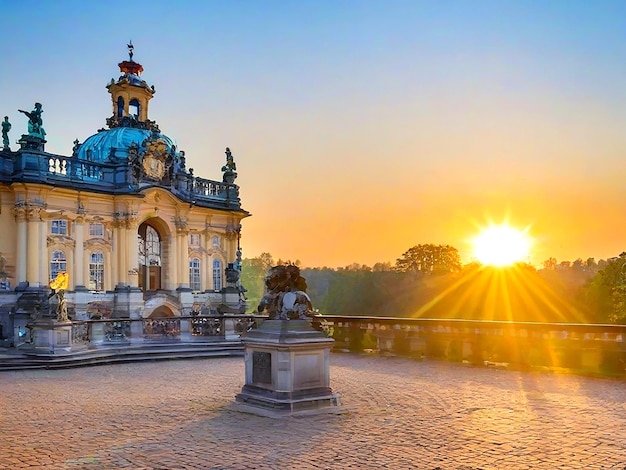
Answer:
(501, 245)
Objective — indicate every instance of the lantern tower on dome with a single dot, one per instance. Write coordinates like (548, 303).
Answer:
(130, 96)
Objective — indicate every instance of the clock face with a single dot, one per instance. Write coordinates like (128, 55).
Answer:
(153, 167)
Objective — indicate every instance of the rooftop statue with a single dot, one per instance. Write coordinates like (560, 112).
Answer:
(230, 162)
(35, 122)
(230, 168)
(6, 127)
(286, 297)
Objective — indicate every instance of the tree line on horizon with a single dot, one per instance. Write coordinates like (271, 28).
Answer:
(429, 281)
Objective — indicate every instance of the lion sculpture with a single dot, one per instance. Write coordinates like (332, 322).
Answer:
(285, 297)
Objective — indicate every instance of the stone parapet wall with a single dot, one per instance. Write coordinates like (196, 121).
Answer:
(581, 348)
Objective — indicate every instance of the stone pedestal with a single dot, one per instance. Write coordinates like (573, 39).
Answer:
(49, 336)
(287, 371)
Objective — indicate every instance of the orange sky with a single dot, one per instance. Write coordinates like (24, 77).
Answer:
(361, 129)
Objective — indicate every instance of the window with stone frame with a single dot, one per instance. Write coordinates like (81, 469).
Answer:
(217, 275)
(96, 271)
(58, 264)
(194, 239)
(194, 274)
(96, 230)
(58, 227)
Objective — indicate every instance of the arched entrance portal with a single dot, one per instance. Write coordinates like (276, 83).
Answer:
(161, 312)
(150, 258)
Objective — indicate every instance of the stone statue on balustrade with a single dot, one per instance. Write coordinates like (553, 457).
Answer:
(229, 169)
(35, 122)
(286, 297)
(6, 127)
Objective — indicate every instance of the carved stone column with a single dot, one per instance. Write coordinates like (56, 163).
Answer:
(34, 250)
(44, 267)
(182, 257)
(132, 246)
(21, 255)
(79, 254)
(120, 249)
(113, 267)
(172, 262)
(204, 266)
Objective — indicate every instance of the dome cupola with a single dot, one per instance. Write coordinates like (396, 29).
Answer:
(129, 126)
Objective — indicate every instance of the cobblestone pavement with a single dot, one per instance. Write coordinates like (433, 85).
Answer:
(404, 415)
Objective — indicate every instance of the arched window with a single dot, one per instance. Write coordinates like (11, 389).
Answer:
(58, 264)
(96, 271)
(194, 274)
(216, 241)
(217, 275)
(120, 106)
(133, 108)
(149, 247)
(150, 260)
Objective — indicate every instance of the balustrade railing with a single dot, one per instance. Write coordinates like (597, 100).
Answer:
(68, 171)
(117, 331)
(581, 348)
(195, 328)
(591, 348)
(80, 333)
(161, 329)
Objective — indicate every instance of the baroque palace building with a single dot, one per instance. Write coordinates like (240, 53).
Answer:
(138, 234)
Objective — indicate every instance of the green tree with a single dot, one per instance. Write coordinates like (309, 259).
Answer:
(430, 259)
(382, 267)
(606, 292)
(253, 272)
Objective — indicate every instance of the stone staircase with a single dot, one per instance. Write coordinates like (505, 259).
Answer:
(18, 360)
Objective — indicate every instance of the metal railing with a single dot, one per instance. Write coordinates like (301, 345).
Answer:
(194, 328)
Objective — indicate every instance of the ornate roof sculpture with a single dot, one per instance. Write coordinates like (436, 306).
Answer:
(129, 156)
(129, 124)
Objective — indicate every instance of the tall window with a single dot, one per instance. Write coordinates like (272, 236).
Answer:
(96, 230)
(216, 241)
(120, 106)
(217, 274)
(194, 239)
(96, 271)
(194, 274)
(58, 227)
(58, 264)
(150, 260)
(149, 247)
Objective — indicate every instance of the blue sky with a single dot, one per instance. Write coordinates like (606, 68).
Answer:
(371, 125)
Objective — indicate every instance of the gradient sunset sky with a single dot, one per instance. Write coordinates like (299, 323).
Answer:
(359, 128)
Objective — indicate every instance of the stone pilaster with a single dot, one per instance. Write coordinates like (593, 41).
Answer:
(132, 246)
(33, 256)
(182, 252)
(79, 254)
(22, 245)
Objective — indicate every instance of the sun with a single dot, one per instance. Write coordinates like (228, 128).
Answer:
(501, 245)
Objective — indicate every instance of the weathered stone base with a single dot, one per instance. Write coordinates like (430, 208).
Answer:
(287, 371)
(259, 402)
(50, 337)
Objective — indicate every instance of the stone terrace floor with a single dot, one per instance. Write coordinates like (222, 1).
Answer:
(404, 414)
